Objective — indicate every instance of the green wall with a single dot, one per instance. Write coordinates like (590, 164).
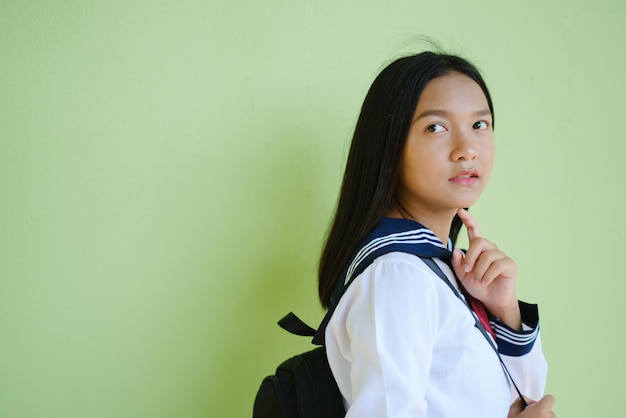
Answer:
(168, 170)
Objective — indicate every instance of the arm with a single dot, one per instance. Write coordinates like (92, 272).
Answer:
(489, 275)
(389, 365)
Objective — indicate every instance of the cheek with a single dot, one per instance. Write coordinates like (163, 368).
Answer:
(488, 158)
(413, 168)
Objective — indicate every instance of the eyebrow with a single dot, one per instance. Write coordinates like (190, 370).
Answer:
(437, 112)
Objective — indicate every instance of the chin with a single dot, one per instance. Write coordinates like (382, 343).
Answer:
(467, 203)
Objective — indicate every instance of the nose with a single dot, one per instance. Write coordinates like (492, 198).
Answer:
(463, 147)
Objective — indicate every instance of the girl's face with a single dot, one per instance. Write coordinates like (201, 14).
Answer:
(449, 151)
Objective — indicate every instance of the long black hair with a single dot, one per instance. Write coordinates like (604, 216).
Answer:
(381, 131)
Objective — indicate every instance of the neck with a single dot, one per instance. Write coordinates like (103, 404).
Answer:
(439, 223)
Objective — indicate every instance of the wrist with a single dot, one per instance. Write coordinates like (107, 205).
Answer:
(510, 315)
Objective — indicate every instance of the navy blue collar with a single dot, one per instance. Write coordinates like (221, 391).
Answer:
(390, 235)
(396, 235)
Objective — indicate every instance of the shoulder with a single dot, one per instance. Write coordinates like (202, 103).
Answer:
(401, 263)
(395, 287)
(396, 270)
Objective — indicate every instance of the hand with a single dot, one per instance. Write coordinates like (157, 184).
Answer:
(487, 273)
(541, 409)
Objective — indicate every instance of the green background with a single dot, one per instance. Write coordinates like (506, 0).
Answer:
(168, 171)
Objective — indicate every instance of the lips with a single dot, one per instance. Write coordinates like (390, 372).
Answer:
(465, 177)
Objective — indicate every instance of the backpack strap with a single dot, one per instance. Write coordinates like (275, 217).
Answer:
(295, 325)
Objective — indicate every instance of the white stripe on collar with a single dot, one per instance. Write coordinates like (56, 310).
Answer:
(416, 236)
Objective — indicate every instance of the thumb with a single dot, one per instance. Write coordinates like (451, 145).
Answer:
(518, 406)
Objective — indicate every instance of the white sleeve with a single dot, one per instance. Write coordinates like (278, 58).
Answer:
(529, 372)
(386, 326)
(522, 353)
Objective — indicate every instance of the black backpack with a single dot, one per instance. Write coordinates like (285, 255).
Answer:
(303, 386)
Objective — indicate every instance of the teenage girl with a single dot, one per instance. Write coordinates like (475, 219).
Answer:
(401, 339)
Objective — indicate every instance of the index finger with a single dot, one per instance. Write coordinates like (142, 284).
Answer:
(473, 231)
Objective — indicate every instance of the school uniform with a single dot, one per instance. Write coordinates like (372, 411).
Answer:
(400, 343)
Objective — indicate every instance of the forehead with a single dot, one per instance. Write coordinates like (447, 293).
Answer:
(453, 92)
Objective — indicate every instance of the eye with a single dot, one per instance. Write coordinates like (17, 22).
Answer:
(435, 128)
(481, 124)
